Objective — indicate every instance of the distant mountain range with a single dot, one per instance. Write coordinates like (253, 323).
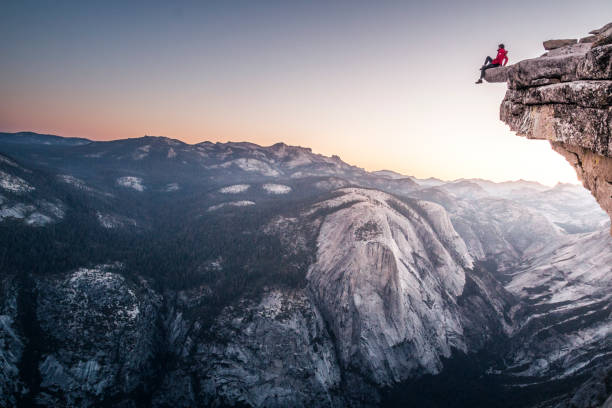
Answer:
(150, 272)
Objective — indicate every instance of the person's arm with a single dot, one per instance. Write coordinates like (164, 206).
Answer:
(505, 60)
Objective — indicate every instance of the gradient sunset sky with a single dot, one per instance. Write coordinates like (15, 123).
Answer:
(382, 84)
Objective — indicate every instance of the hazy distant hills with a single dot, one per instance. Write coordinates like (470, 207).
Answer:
(173, 165)
(31, 138)
(150, 272)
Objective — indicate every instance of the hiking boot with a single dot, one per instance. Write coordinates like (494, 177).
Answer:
(479, 81)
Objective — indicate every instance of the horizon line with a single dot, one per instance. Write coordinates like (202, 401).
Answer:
(301, 147)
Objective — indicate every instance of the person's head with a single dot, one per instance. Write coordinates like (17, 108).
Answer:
(501, 46)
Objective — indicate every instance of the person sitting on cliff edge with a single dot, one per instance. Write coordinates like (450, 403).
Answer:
(501, 59)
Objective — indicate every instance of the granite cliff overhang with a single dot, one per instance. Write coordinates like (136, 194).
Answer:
(565, 96)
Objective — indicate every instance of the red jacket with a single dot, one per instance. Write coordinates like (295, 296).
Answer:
(502, 57)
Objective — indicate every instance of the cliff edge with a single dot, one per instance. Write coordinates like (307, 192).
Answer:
(565, 96)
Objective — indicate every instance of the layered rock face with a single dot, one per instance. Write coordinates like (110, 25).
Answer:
(565, 96)
(570, 284)
(387, 280)
(392, 296)
(274, 352)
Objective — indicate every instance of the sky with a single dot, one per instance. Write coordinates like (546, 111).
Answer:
(384, 85)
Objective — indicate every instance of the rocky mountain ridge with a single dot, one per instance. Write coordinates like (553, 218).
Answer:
(240, 275)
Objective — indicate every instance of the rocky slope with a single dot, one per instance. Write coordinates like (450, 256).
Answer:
(112, 324)
(565, 96)
(387, 278)
(156, 285)
(563, 289)
(11, 344)
(271, 352)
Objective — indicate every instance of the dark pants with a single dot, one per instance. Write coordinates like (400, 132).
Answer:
(486, 66)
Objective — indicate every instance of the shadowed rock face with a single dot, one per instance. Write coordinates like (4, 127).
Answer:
(565, 96)
(11, 345)
(274, 352)
(107, 330)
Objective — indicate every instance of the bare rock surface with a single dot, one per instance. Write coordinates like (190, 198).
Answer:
(603, 35)
(106, 328)
(499, 74)
(274, 352)
(11, 345)
(387, 279)
(565, 96)
(553, 44)
(569, 282)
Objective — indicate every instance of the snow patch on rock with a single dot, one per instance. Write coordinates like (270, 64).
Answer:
(141, 152)
(76, 182)
(37, 219)
(55, 209)
(253, 165)
(242, 203)
(299, 159)
(331, 183)
(131, 182)
(172, 187)
(6, 160)
(18, 210)
(235, 189)
(46, 212)
(14, 184)
(276, 188)
(95, 155)
(113, 221)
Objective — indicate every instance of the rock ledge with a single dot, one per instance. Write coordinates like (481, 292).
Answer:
(565, 96)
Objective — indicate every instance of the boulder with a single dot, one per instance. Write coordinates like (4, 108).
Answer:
(579, 48)
(499, 74)
(603, 38)
(530, 72)
(554, 44)
(603, 35)
(596, 64)
(588, 39)
(601, 30)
